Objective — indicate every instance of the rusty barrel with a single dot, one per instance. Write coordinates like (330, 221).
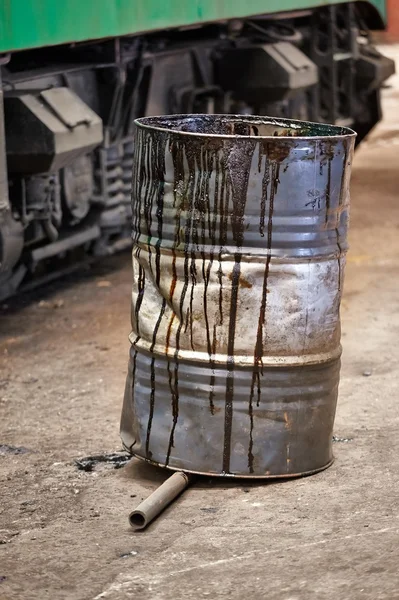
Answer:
(240, 235)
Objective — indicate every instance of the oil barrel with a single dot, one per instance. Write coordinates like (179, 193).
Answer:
(240, 236)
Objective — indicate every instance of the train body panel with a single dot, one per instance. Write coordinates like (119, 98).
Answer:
(69, 110)
(28, 24)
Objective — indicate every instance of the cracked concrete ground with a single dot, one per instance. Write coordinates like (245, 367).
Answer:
(64, 532)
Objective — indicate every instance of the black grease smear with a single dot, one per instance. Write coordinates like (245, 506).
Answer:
(206, 275)
(211, 164)
(340, 200)
(179, 192)
(134, 368)
(228, 415)
(193, 275)
(6, 449)
(160, 170)
(152, 378)
(238, 166)
(140, 295)
(177, 151)
(220, 280)
(116, 460)
(138, 176)
(343, 440)
(224, 200)
(213, 376)
(265, 184)
(150, 186)
(150, 192)
(328, 190)
(326, 155)
(272, 172)
(201, 205)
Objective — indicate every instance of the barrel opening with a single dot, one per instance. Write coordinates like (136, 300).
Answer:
(242, 126)
(137, 520)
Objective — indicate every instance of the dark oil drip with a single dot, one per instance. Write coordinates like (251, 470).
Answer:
(213, 377)
(318, 157)
(174, 276)
(200, 202)
(157, 180)
(152, 378)
(175, 388)
(212, 164)
(137, 182)
(206, 276)
(193, 274)
(259, 349)
(251, 429)
(187, 319)
(179, 187)
(224, 212)
(169, 331)
(260, 158)
(179, 172)
(224, 207)
(217, 209)
(228, 415)
(238, 165)
(224, 201)
(220, 279)
(140, 295)
(191, 231)
(177, 229)
(158, 243)
(159, 176)
(339, 261)
(177, 151)
(149, 195)
(208, 166)
(328, 191)
(340, 199)
(134, 366)
(265, 184)
(202, 205)
(175, 409)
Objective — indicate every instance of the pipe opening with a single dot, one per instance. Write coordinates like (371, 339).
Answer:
(137, 520)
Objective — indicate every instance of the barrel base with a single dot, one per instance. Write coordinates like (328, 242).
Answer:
(285, 431)
(235, 475)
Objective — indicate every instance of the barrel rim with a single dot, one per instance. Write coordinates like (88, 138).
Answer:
(154, 124)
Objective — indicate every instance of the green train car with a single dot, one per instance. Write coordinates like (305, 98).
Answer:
(75, 74)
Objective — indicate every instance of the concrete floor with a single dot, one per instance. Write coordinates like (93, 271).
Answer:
(64, 532)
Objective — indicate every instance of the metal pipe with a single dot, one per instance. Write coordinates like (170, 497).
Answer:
(152, 506)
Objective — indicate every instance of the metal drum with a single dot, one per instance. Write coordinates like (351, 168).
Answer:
(240, 236)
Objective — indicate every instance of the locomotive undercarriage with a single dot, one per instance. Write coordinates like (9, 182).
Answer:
(68, 115)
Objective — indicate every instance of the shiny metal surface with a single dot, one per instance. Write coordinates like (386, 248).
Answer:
(240, 231)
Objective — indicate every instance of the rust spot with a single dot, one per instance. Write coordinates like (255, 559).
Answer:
(168, 333)
(276, 151)
(287, 420)
(242, 282)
